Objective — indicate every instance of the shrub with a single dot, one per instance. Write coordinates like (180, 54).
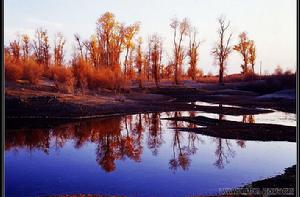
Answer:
(278, 70)
(13, 71)
(32, 71)
(49, 72)
(101, 77)
(288, 72)
(118, 81)
(63, 78)
(88, 77)
(81, 70)
(105, 78)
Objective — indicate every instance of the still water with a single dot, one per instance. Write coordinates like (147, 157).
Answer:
(135, 155)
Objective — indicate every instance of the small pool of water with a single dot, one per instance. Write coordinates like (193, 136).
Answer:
(275, 117)
(212, 104)
(135, 155)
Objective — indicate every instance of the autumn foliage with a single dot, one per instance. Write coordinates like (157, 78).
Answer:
(63, 78)
(113, 57)
(247, 49)
(32, 71)
(13, 71)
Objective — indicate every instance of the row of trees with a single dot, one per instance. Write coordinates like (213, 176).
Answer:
(114, 55)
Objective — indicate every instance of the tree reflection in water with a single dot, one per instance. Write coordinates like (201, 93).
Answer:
(119, 138)
(181, 153)
(155, 138)
(248, 119)
(223, 152)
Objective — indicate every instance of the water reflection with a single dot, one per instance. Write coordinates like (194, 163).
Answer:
(135, 154)
(223, 152)
(223, 147)
(248, 119)
(119, 138)
(275, 117)
(154, 138)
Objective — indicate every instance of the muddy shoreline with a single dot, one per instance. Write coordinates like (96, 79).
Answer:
(239, 130)
(280, 185)
(27, 106)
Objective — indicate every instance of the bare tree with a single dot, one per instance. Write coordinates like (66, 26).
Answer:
(94, 51)
(59, 49)
(180, 30)
(147, 61)
(26, 46)
(156, 53)
(15, 50)
(80, 44)
(193, 53)
(41, 47)
(222, 49)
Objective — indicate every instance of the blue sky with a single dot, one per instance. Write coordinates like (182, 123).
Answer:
(270, 23)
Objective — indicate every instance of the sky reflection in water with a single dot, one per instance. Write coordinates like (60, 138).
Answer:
(135, 155)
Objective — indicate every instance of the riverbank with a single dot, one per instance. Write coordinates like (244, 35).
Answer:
(44, 101)
(280, 185)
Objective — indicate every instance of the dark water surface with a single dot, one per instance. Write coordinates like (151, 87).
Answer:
(136, 155)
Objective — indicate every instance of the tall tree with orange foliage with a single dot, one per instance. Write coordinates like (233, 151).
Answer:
(106, 26)
(180, 29)
(247, 49)
(130, 32)
(252, 51)
(156, 53)
(139, 62)
(131, 73)
(222, 49)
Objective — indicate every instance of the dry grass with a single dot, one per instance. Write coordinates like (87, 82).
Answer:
(229, 78)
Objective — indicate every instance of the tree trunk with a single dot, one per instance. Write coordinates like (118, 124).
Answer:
(221, 78)
(140, 75)
(176, 74)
